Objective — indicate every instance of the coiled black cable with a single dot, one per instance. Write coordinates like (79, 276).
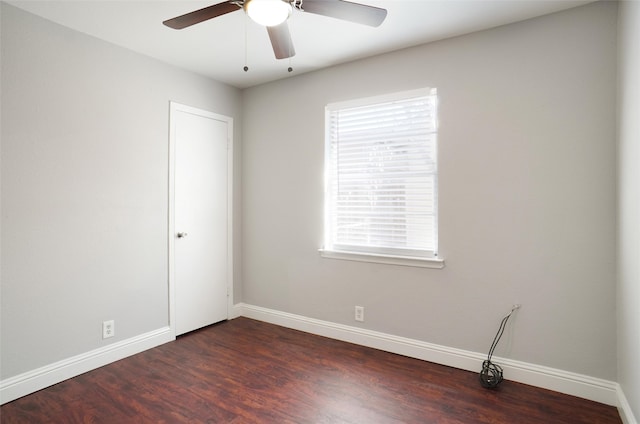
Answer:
(491, 374)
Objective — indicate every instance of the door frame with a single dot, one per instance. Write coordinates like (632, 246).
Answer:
(174, 108)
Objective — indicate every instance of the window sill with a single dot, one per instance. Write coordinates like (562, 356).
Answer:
(436, 263)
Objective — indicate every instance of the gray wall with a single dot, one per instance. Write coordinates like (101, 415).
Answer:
(527, 194)
(85, 128)
(629, 205)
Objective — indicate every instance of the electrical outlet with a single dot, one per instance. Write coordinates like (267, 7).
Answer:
(516, 306)
(108, 329)
(359, 313)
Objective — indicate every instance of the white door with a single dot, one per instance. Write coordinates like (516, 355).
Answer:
(201, 217)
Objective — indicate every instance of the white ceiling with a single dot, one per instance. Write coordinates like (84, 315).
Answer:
(220, 48)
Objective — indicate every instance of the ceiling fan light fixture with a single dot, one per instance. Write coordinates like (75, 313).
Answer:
(268, 12)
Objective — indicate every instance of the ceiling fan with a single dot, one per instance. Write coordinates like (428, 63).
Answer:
(273, 14)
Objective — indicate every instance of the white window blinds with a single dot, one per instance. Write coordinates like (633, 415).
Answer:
(381, 169)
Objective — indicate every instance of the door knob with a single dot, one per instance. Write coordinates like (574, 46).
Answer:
(181, 235)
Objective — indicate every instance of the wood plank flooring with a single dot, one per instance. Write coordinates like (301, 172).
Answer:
(245, 371)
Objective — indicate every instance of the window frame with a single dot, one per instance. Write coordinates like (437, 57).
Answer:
(394, 256)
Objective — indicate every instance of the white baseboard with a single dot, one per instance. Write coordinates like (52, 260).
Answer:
(32, 381)
(583, 386)
(625, 409)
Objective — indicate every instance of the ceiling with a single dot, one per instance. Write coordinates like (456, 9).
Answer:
(221, 47)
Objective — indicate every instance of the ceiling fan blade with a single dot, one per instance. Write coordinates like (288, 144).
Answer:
(347, 11)
(202, 15)
(281, 41)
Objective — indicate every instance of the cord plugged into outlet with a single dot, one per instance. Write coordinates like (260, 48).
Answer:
(491, 374)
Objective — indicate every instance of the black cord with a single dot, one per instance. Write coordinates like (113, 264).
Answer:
(491, 374)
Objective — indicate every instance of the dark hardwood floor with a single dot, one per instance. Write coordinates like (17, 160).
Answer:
(245, 371)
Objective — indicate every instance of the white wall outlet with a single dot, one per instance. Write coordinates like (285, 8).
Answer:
(108, 329)
(359, 313)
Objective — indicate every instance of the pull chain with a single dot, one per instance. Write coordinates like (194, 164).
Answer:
(291, 19)
(246, 48)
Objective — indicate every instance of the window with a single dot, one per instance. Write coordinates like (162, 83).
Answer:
(381, 179)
